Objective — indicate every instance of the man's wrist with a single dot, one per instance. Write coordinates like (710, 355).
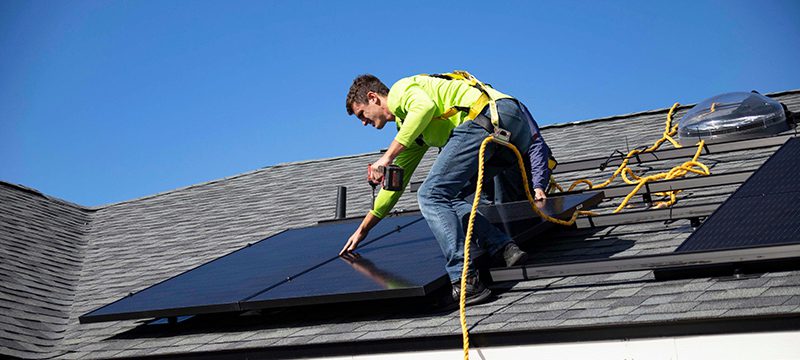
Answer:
(395, 148)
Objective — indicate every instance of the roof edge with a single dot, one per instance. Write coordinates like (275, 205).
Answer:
(641, 330)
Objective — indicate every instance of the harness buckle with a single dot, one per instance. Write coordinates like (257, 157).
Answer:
(502, 135)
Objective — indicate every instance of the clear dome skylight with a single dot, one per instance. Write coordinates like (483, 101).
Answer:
(732, 116)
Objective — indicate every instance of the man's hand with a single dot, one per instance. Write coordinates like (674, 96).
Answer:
(395, 148)
(352, 242)
(351, 257)
(376, 169)
(538, 194)
(367, 224)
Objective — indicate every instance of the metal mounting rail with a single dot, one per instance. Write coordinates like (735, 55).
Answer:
(665, 262)
(652, 215)
(716, 148)
(730, 178)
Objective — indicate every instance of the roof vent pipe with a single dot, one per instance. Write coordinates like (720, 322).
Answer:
(341, 202)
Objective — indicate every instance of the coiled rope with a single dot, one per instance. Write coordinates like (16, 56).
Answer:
(625, 172)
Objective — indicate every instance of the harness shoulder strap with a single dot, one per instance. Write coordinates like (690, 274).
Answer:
(477, 107)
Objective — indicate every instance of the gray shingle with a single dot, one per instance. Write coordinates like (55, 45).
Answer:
(664, 308)
(385, 334)
(731, 294)
(532, 324)
(41, 252)
(295, 340)
(384, 325)
(336, 338)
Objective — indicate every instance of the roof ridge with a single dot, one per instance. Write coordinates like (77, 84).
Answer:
(646, 112)
(33, 191)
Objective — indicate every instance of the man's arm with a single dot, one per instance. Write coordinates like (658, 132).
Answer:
(367, 224)
(371, 220)
(408, 159)
(539, 154)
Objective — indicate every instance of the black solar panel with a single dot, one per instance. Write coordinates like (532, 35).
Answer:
(400, 258)
(763, 211)
(404, 263)
(220, 285)
(523, 224)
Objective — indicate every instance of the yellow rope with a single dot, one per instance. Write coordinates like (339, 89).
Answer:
(623, 169)
(630, 178)
(669, 131)
(478, 190)
(675, 172)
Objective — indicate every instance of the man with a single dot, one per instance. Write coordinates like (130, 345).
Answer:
(422, 107)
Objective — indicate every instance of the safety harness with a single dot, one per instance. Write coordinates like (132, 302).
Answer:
(474, 112)
(477, 107)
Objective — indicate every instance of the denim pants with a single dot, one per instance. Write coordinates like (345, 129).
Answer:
(443, 195)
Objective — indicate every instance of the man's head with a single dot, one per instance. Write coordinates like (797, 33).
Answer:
(367, 101)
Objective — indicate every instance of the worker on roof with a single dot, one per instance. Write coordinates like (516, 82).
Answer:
(421, 108)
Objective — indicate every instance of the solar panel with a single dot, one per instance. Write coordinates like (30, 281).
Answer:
(763, 211)
(219, 285)
(405, 263)
(400, 258)
(522, 223)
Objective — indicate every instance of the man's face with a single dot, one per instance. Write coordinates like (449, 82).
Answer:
(373, 113)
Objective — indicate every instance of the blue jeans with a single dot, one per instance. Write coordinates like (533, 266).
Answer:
(442, 197)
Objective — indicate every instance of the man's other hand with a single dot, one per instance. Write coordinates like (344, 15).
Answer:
(538, 194)
(352, 242)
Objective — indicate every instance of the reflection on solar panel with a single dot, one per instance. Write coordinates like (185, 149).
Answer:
(763, 211)
(404, 263)
(219, 285)
(296, 267)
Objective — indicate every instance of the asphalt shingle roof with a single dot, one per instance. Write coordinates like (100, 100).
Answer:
(61, 260)
(41, 254)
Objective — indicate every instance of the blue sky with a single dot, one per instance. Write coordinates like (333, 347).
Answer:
(106, 101)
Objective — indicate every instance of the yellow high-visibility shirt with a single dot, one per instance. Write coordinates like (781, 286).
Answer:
(416, 101)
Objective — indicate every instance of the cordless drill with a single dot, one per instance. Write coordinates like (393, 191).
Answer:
(392, 179)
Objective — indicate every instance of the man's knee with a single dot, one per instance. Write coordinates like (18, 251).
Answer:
(423, 194)
(429, 193)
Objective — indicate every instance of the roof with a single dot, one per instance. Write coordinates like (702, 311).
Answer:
(61, 260)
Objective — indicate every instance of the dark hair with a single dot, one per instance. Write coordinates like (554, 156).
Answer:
(361, 86)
